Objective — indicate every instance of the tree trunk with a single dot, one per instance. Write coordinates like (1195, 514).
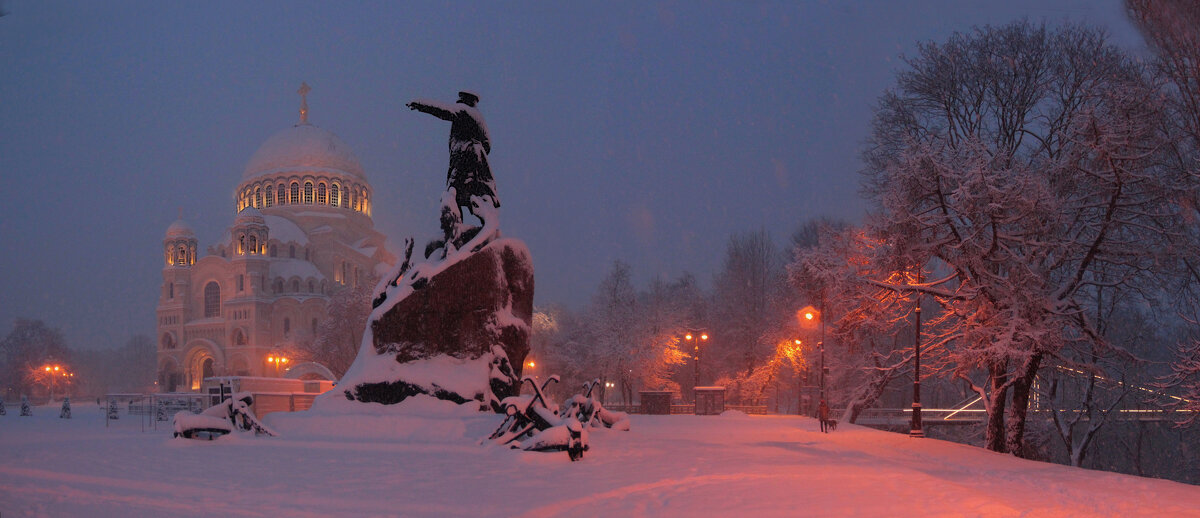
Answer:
(994, 432)
(1021, 388)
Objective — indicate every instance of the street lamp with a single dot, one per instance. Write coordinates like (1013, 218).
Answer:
(607, 385)
(915, 430)
(694, 338)
(52, 376)
(277, 361)
(808, 315)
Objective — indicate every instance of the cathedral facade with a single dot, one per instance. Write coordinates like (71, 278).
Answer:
(302, 230)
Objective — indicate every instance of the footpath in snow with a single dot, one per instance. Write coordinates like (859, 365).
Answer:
(424, 458)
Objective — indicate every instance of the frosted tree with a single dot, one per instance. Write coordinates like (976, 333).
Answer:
(611, 329)
(30, 344)
(339, 335)
(1009, 166)
(750, 308)
(874, 322)
(1172, 30)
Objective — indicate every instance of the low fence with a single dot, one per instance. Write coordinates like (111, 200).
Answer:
(682, 409)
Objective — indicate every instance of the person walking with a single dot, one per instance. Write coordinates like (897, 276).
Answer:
(823, 415)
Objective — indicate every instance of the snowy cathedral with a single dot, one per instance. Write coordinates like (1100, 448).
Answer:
(302, 231)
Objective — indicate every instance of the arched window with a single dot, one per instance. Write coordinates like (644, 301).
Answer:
(335, 195)
(270, 200)
(295, 286)
(310, 287)
(258, 203)
(171, 290)
(287, 326)
(278, 285)
(321, 198)
(292, 251)
(273, 251)
(241, 250)
(168, 341)
(295, 197)
(212, 300)
(253, 244)
(346, 197)
(241, 282)
(308, 193)
(182, 258)
(238, 337)
(281, 195)
(366, 203)
(354, 200)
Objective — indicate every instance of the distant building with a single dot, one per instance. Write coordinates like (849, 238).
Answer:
(302, 231)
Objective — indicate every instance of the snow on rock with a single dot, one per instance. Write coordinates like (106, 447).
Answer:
(456, 328)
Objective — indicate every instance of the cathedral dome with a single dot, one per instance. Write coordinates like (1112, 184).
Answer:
(304, 147)
(180, 229)
(249, 215)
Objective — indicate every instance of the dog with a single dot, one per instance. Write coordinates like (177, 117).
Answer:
(831, 424)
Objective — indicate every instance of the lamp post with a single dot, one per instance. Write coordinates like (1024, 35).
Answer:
(607, 385)
(695, 338)
(799, 380)
(53, 376)
(809, 314)
(278, 362)
(915, 430)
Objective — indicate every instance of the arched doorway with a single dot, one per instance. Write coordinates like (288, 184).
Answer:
(203, 361)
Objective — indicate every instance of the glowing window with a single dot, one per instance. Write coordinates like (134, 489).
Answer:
(308, 193)
(335, 195)
(253, 244)
(295, 195)
(270, 196)
(212, 300)
(258, 203)
(280, 195)
(321, 198)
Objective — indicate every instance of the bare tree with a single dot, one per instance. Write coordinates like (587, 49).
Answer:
(29, 345)
(747, 308)
(1014, 163)
(1172, 30)
(338, 337)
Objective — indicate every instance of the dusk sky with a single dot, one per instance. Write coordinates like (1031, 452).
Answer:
(634, 131)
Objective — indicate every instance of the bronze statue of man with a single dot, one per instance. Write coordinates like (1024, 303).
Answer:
(468, 175)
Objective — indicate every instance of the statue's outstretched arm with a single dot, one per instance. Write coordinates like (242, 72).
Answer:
(432, 109)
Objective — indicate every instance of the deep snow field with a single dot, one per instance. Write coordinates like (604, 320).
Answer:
(424, 458)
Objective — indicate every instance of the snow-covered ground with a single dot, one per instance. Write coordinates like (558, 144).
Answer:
(426, 460)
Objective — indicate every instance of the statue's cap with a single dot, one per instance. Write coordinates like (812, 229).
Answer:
(467, 95)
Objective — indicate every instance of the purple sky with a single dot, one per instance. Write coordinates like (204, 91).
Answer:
(645, 132)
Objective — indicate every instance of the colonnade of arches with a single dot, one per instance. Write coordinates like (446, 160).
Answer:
(308, 190)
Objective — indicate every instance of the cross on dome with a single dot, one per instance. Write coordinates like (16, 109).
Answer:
(303, 91)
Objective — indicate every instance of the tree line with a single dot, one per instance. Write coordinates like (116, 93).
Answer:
(1034, 192)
